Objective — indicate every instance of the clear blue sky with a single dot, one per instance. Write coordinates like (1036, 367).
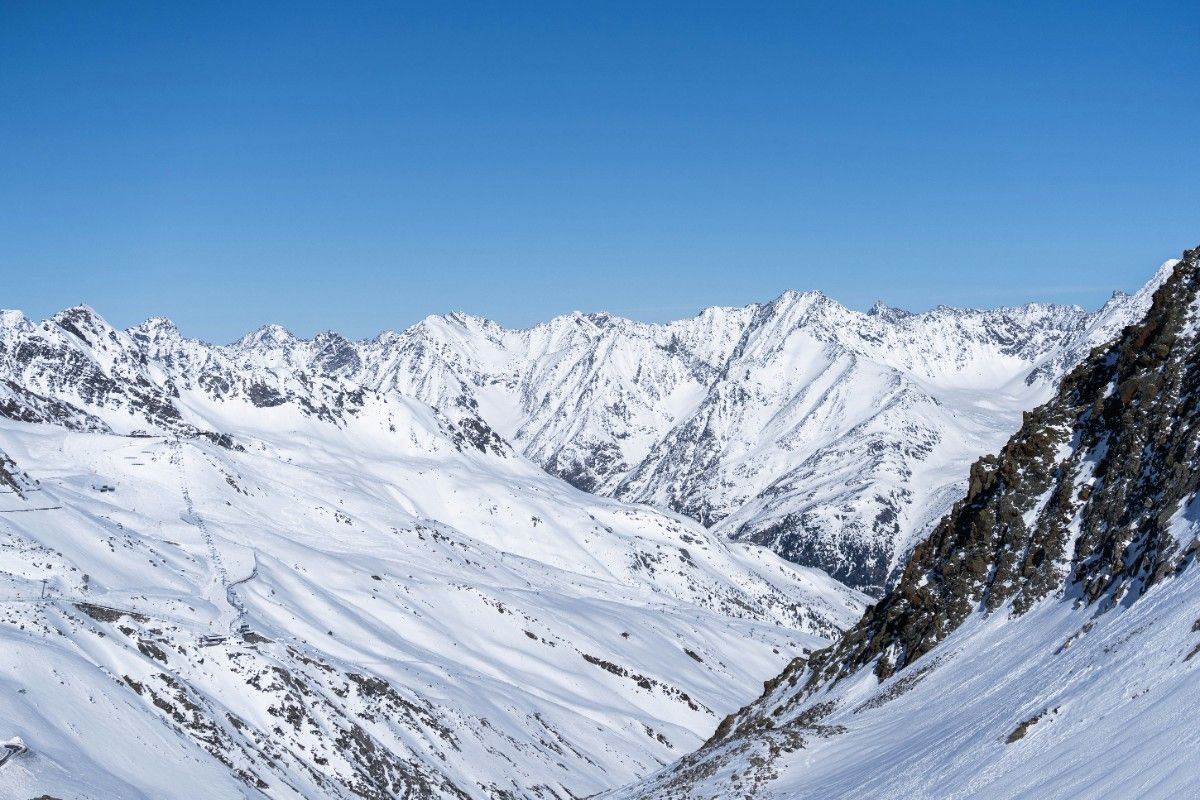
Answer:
(358, 168)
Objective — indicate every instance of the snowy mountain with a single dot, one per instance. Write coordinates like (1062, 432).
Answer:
(328, 568)
(833, 437)
(1042, 641)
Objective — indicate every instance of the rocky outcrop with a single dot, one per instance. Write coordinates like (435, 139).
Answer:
(1079, 501)
(1092, 502)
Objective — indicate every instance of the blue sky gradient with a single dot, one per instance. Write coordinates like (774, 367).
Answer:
(358, 168)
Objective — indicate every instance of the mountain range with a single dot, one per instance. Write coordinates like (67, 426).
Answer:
(833, 437)
(465, 561)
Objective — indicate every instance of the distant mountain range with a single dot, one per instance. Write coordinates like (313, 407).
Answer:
(833, 437)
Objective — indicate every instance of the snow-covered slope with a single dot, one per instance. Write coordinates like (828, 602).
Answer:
(426, 615)
(833, 437)
(1043, 641)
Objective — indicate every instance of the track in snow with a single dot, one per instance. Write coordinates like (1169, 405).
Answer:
(214, 554)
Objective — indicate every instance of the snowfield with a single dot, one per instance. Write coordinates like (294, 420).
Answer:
(420, 621)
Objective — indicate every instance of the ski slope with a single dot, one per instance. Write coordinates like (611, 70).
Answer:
(423, 620)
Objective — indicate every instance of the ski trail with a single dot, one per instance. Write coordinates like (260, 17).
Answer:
(234, 601)
(216, 563)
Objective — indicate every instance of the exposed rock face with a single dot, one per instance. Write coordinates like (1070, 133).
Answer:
(1080, 499)
(1091, 503)
(13, 479)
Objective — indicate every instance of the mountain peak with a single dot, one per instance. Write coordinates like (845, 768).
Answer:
(84, 322)
(156, 327)
(267, 336)
(12, 318)
(80, 313)
(882, 311)
(791, 297)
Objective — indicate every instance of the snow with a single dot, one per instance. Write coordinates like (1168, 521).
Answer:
(496, 584)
